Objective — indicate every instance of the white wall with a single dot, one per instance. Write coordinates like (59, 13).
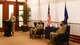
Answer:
(74, 11)
(60, 11)
(43, 10)
(75, 29)
(34, 5)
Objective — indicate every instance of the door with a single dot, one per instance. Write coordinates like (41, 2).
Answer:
(17, 9)
(12, 8)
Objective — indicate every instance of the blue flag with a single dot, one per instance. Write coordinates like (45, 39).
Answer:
(65, 15)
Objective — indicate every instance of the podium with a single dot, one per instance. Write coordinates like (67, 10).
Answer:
(7, 28)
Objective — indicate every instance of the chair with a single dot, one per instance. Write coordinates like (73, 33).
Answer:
(24, 28)
(35, 23)
(63, 39)
(41, 31)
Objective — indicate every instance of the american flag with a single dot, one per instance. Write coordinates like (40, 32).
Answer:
(49, 17)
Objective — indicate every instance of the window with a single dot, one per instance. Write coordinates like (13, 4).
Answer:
(1, 13)
(11, 0)
(20, 13)
(11, 10)
(21, 0)
(2, 0)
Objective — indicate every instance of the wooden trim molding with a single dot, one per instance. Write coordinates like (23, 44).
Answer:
(75, 38)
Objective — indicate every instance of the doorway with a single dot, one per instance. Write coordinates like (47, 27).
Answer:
(8, 7)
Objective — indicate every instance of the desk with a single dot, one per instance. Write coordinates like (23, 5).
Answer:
(48, 30)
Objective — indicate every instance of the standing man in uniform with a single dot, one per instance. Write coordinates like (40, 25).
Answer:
(13, 20)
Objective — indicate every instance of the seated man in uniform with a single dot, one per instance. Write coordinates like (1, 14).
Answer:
(61, 30)
(38, 27)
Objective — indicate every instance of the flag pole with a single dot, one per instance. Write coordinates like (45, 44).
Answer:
(39, 10)
(49, 3)
(64, 8)
(65, 2)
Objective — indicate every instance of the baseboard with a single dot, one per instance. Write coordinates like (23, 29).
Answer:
(75, 38)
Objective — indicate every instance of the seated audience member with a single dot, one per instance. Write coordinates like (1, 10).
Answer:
(61, 30)
(38, 27)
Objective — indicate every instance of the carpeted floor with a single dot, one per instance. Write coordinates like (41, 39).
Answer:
(22, 38)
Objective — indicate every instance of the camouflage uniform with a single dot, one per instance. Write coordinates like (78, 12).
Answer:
(54, 34)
